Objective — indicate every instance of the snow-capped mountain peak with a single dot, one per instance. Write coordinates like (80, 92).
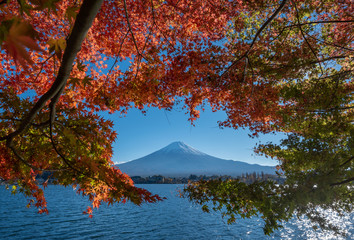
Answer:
(179, 159)
(180, 147)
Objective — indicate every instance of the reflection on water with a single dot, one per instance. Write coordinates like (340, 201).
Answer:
(303, 228)
(174, 218)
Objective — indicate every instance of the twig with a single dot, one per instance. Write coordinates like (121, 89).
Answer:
(40, 71)
(27, 163)
(42, 124)
(141, 56)
(319, 22)
(154, 23)
(120, 48)
(245, 69)
(277, 11)
(129, 26)
(348, 161)
(330, 43)
(342, 182)
(303, 35)
(51, 121)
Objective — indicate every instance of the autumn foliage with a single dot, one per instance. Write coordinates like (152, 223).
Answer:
(270, 65)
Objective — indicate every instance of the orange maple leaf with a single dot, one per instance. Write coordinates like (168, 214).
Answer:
(21, 36)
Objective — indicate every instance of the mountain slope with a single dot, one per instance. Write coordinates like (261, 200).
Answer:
(179, 159)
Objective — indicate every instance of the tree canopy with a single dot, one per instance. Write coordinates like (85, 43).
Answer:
(272, 66)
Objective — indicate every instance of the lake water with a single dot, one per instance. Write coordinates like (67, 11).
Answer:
(174, 218)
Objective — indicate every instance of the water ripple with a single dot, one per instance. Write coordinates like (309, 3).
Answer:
(174, 218)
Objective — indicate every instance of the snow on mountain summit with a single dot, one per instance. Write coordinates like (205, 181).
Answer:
(180, 147)
(178, 159)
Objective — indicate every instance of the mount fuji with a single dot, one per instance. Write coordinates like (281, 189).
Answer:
(180, 160)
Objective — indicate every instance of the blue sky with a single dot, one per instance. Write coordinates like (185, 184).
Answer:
(140, 135)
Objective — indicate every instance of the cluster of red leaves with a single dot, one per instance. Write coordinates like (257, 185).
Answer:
(26, 182)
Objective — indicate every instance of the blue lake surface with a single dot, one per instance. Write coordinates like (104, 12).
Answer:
(174, 218)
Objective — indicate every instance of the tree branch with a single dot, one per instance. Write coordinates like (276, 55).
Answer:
(325, 110)
(330, 43)
(277, 11)
(323, 60)
(158, 29)
(342, 182)
(129, 26)
(39, 125)
(30, 165)
(303, 35)
(319, 22)
(40, 70)
(348, 161)
(83, 22)
(245, 70)
(51, 121)
(116, 59)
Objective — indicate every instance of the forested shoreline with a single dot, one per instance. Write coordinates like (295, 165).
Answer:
(248, 178)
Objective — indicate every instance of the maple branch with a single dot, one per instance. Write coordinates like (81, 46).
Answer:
(66, 161)
(252, 89)
(270, 19)
(280, 66)
(279, 34)
(52, 114)
(324, 110)
(329, 59)
(42, 124)
(21, 158)
(320, 22)
(342, 75)
(52, 105)
(303, 35)
(245, 69)
(341, 165)
(330, 43)
(348, 161)
(154, 23)
(83, 22)
(40, 70)
(282, 42)
(141, 56)
(342, 182)
(13, 149)
(129, 26)
(120, 49)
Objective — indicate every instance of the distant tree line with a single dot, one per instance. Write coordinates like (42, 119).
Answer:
(159, 179)
(45, 176)
(245, 177)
